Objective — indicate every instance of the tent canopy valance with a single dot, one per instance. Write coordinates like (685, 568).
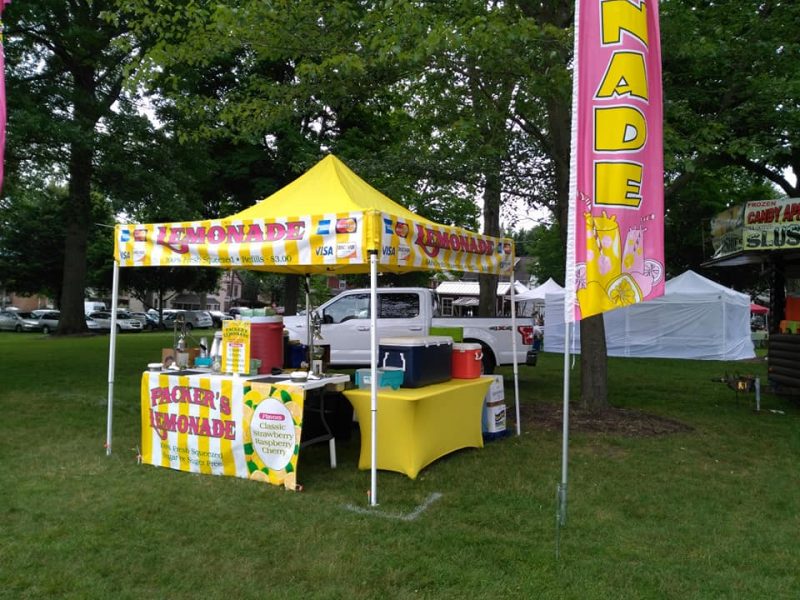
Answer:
(327, 221)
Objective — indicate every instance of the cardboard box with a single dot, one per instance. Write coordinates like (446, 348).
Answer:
(494, 417)
(168, 356)
(496, 392)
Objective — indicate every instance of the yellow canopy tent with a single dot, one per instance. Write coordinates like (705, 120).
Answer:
(328, 220)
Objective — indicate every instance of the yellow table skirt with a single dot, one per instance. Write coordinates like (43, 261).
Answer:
(415, 426)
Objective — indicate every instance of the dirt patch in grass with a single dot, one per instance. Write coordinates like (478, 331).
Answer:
(618, 421)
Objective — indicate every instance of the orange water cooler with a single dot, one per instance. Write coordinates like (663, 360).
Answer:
(467, 359)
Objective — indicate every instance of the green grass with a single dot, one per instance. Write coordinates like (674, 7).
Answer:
(710, 513)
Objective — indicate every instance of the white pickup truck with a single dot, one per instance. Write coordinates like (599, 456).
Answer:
(408, 312)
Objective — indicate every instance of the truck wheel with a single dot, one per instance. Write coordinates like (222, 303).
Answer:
(487, 363)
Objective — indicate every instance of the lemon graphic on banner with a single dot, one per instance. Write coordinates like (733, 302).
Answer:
(273, 425)
(624, 291)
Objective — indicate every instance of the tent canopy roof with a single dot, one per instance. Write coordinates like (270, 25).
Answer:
(691, 284)
(329, 186)
(327, 221)
(472, 288)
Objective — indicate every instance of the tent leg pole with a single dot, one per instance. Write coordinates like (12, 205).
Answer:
(373, 364)
(308, 322)
(112, 355)
(514, 346)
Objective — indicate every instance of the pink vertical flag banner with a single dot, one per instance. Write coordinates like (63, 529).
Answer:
(2, 94)
(615, 237)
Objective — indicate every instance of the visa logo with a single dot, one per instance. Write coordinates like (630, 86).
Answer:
(324, 251)
(389, 251)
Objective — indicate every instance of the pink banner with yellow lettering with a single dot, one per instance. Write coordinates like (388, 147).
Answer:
(615, 237)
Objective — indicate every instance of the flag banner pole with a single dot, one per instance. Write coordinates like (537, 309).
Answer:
(373, 366)
(112, 355)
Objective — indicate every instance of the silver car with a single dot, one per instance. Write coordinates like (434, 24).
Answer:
(194, 319)
(14, 320)
(124, 321)
(48, 319)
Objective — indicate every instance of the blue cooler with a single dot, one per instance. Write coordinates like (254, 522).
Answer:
(424, 359)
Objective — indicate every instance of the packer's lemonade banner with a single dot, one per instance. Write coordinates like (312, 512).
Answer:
(615, 238)
(337, 242)
(222, 426)
(412, 245)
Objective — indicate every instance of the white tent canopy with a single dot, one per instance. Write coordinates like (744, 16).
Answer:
(539, 292)
(696, 318)
(472, 288)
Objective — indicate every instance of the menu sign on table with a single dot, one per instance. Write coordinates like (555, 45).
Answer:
(236, 347)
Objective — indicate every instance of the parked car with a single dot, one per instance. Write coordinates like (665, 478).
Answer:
(48, 319)
(147, 320)
(14, 320)
(124, 321)
(93, 325)
(217, 316)
(90, 306)
(195, 319)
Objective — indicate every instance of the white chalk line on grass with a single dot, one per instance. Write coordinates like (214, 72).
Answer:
(412, 516)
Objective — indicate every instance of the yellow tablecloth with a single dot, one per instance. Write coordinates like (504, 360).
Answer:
(417, 426)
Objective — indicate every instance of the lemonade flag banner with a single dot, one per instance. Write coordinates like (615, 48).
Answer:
(2, 93)
(615, 249)
(615, 230)
(327, 221)
(222, 426)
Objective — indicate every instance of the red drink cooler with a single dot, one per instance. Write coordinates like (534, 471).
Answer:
(467, 360)
(266, 342)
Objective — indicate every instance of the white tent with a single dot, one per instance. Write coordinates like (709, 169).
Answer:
(532, 301)
(539, 292)
(473, 288)
(695, 318)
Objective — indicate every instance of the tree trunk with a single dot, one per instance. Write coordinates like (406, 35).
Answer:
(487, 306)
(290, 295)
(79, 210)
(594, 372)
(73, 288)
(777, 295)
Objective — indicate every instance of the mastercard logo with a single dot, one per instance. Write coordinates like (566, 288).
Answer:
(401, 230)
(140, 235)
(346, 226)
